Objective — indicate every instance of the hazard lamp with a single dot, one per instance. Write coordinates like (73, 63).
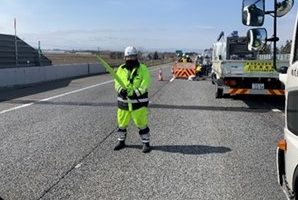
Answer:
(282, 144)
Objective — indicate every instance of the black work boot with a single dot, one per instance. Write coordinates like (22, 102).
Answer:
(146, 147)
(120, 145)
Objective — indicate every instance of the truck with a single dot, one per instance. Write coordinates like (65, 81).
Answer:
(204, 60)
(237, 71)
(287, 147)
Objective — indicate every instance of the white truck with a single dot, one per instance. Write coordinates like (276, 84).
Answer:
(236, 70)
(287, 147)
(287, 150)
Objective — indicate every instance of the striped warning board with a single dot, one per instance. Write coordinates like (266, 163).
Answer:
(241, 91)
(238, 91)
(184, 72)
(276, 92)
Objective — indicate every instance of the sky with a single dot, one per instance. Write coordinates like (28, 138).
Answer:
(164, 25)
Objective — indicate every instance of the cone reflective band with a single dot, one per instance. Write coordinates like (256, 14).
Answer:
(111, 71)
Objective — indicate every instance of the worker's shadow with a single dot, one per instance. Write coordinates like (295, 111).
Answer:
(187, 149)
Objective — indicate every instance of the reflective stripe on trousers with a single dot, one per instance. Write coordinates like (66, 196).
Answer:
(145, 134)
(121, 133)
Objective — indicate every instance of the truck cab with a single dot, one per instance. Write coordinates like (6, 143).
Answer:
(287, 149)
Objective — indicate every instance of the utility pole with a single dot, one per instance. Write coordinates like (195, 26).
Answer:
(275, 34)
(274, 38)
(39, 54)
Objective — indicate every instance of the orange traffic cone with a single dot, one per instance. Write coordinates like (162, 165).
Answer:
(160, 78)
(173, 74)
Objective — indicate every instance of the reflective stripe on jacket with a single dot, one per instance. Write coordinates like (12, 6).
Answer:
(137, 82)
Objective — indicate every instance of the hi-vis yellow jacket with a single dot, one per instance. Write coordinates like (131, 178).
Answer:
(137, 82)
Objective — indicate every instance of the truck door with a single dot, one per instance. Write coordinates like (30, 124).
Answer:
(291, 130)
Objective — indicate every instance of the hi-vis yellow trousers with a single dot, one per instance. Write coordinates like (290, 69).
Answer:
(139, 116)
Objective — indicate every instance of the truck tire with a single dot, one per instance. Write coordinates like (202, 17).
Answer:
(213, 79)
(295, 185)
(218, 92)
(281, 165)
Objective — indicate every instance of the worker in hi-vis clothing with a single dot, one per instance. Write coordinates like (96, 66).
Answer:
(133, 100)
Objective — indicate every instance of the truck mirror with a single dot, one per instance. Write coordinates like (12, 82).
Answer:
(256, 38)
(253, 12)
(284, 7)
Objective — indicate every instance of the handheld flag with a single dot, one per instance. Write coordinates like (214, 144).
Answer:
(111, 71)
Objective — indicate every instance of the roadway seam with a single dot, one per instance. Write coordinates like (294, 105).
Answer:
(75, 164)
(91, 151)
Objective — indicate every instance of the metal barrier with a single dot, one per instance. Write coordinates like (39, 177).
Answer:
(22, 76)
(281, 57)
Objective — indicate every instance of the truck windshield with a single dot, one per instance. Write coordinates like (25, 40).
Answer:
(292, 112)
(296, 48)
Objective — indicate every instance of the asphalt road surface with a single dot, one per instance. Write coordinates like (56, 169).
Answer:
(57, 142)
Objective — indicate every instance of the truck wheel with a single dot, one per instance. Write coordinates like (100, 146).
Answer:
(213, 79)
(295, 185)
(218, 92)
(281, 165)
(295, 192)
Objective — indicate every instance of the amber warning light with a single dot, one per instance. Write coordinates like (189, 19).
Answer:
(282, 144)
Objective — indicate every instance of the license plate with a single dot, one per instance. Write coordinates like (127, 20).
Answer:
(258, 86)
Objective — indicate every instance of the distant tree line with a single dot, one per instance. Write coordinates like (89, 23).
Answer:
(144, 55)
(287, 47)
(283, 49)
(116, 55)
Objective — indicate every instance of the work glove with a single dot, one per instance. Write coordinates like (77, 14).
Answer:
(123, 93)
(129, 90)
(134, 94)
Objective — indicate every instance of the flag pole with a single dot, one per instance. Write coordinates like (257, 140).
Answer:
(15, 40)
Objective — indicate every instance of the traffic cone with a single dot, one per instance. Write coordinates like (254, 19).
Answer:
(160, 78)
(173, 74)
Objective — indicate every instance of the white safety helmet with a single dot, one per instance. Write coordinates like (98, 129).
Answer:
(130, 51)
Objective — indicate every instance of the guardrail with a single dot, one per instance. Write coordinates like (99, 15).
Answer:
(281, 57)
(23, 76)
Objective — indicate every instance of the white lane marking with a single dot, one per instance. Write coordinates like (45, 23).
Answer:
(172, 79)
(62, 95)
(55, 97)
(16, 108)
(276, 110)
(75, 91)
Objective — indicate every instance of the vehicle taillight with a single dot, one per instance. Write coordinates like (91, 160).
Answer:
(230, 82)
